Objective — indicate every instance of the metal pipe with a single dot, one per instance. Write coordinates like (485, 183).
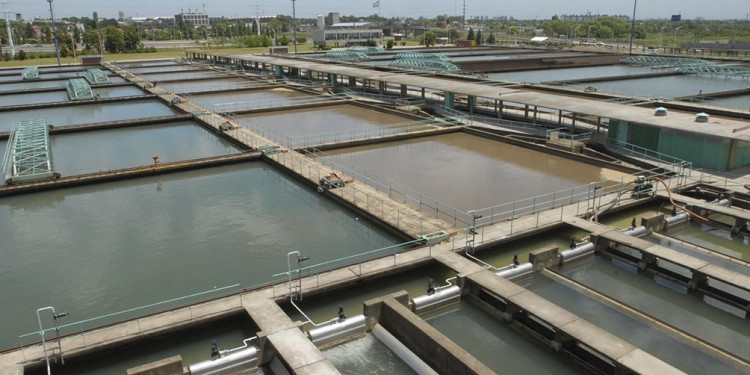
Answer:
(41, 332)
(406, 355)
(514, 271)
(54, 32)
(638, 231)
(579, 251)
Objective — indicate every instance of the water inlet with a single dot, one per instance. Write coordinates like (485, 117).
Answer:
(439, 298)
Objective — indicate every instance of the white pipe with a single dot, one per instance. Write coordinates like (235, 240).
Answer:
(638, 231)
(581, 250)
(515, 271)
(337, 329)
(679, 218)
(41, 333)
(406, 355)
(439, 297)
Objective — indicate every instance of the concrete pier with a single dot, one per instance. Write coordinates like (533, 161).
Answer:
(280, 337)
(604, 237)
(76, 102)
(122, 174)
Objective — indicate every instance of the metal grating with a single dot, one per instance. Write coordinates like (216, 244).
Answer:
(346, 55)
(28, 156)
(30, 72)
(96, 77)
(433, 65)
(78, 89)
(421, 56)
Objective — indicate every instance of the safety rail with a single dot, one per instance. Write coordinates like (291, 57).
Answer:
(307, 140)
(397, 192)
(579, 200)
(676, 165)
(563, 133)
(346, 55)
(260, 104)
(431, 65)
(354, 260)
(198, 88)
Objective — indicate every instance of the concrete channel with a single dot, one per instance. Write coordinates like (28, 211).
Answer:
(284, 345)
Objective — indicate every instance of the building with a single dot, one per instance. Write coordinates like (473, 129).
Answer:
(193, 18)
(589, 17)
(344, 34)
(332, 18)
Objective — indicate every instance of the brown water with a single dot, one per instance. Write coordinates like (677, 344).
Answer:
(236, 101)
(470, 172)
(312, 122)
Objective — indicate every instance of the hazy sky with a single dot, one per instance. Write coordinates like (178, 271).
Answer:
(527, 9)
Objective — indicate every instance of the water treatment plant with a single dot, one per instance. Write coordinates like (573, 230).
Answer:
(480, 210)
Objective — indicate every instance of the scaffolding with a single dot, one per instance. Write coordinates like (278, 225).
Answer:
(367, 50)
(689, 66)
(96, 77)
(346, 55)
(662, 61)
(78, 89)
(432, 65)
(421, 56)
(30, 72)
(28, 156)
(716, 70)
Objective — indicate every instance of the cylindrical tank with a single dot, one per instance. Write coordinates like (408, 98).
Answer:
(681, 218)
(338, 330)
(639, 231)
(230, 363)
(722, 202)
(514, 272)
(581, 250)
(440, 298)
(321, 22)
(406, 355)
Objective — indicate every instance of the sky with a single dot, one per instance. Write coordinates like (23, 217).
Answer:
(527, 9)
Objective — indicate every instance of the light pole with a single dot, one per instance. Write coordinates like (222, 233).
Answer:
(675, 34)
(54, 32)
(632, 28)
(661, 36)
(575, 31)
(294, 25)
(588, 33)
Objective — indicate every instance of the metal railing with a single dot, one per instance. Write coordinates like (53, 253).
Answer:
(198, 88)
(676, 165)
(225, 108)
(308, 140)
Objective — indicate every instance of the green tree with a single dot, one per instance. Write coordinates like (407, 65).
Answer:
(91, 40)
(430, 38)
(479, 38)
(130, 37)
(491, 39)
(471, 34)
(283, 41)
(114, 42)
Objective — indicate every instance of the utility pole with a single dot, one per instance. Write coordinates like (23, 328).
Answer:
(463, 25)
(10, 34)
(294, 25)
(54, 32)
(632, 28)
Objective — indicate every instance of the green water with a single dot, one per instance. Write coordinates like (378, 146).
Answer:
(102, 150)
(89, 113)
(104, 248)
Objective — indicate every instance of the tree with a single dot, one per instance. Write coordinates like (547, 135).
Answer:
(114, 42)
(389, 44)
(130, 37)
(471, 34)
(491, 39)
(430, 38)
(479, 37)
(91, 40)
(283, 41)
